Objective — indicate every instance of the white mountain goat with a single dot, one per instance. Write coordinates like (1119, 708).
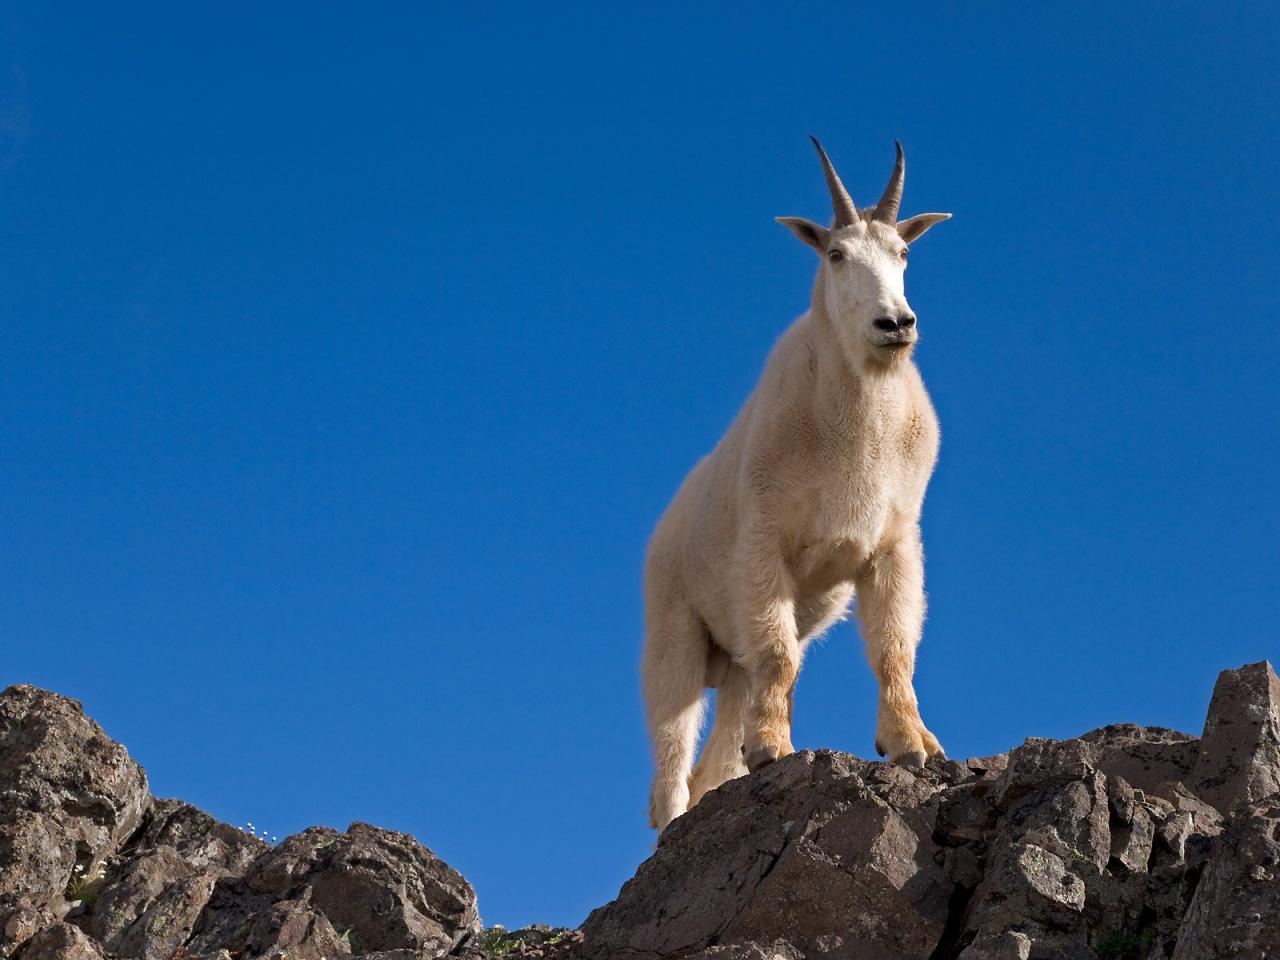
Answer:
(814, 493)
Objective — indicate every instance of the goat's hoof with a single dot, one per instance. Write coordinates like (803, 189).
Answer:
(913, 760)
(761, 757)
(879, 749)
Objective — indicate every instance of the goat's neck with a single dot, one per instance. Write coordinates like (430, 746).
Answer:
(846, 383)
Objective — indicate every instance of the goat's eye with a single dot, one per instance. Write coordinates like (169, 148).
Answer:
(902, 254)
(835, 256)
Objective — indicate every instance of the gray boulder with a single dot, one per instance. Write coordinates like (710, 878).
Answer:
(1239, 756)
(206, 844)
(69, 798)
(1110, 845)
(90, 866)
(750, 950)
(155, 889)
(323, 893)
(1127, 843)
(61, 941)
(1236, 910)
(831, 854)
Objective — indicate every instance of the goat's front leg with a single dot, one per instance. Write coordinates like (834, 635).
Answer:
(891, 609)
(770, 650)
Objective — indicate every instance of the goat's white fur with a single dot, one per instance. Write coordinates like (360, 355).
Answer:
(814, 492)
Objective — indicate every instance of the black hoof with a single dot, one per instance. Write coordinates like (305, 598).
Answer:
(913, 760)
(761, 758)
(879, 749)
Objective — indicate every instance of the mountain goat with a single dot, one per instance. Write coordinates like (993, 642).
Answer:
(814, 493)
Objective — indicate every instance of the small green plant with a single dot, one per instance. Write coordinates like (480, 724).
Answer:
(84, 883)
(1077, 855)
(497, 942)
(1123, 945)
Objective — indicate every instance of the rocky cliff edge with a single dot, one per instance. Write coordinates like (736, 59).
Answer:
(1127, 843)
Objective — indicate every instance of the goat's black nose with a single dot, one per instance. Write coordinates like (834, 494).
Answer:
(892, 324)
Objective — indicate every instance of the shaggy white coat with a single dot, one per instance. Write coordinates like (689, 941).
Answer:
(813, 494)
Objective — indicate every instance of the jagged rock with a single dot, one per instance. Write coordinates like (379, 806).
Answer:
(69, 797)
(1132, 828)
(536, 942)
(24, 922)
(330, 893)
(1045, 852)
(967, 813)
(1009, 945)
(1203, 816)
(1040, 764)
(1072, 820)
(208, 845)
(280, 930)
(1173, 832)
(1236, 909)
(156, 888)
(1143, 756)
(167, 922)
(1122, 858)
(1131, 842)
(61, 941)
(1029, 883)
(137, 885)
(1122, 799)
(80, 838)
(777, 950)
(832, 854)
(1239, 759)
(1134, 842)
(988, 766)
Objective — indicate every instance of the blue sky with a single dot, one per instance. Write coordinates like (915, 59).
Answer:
(347, 360)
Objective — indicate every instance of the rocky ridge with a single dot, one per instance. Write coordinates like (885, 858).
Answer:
(1127, 843)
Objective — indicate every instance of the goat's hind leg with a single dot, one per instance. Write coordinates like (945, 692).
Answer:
(721, 758)
(674, 674)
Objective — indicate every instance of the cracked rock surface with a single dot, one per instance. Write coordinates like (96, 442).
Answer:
(1126, 843)
(93, 867)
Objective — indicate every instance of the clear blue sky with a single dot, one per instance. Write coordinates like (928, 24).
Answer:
(347, 359)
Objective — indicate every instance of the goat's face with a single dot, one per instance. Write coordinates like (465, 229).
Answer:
(862, 290)
(864, 258)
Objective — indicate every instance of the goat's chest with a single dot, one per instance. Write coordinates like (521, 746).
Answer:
(867, 486)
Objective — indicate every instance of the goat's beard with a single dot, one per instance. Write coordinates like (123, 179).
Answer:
(889, 357)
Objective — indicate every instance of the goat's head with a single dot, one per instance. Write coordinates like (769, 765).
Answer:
(864, 257)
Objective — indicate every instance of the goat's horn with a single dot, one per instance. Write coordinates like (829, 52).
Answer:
(841, 203)
(887, 209)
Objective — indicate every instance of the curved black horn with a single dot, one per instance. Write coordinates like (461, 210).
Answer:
(841, 203)
(887, 209)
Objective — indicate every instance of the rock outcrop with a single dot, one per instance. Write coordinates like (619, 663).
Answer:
(69, 798)
(1126, 843)
(93, 867)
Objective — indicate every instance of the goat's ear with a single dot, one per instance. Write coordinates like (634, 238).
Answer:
(808, 231)
(913, 228)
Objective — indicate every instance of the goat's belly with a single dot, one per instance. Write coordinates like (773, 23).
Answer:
(826, 565)
(840, 541)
